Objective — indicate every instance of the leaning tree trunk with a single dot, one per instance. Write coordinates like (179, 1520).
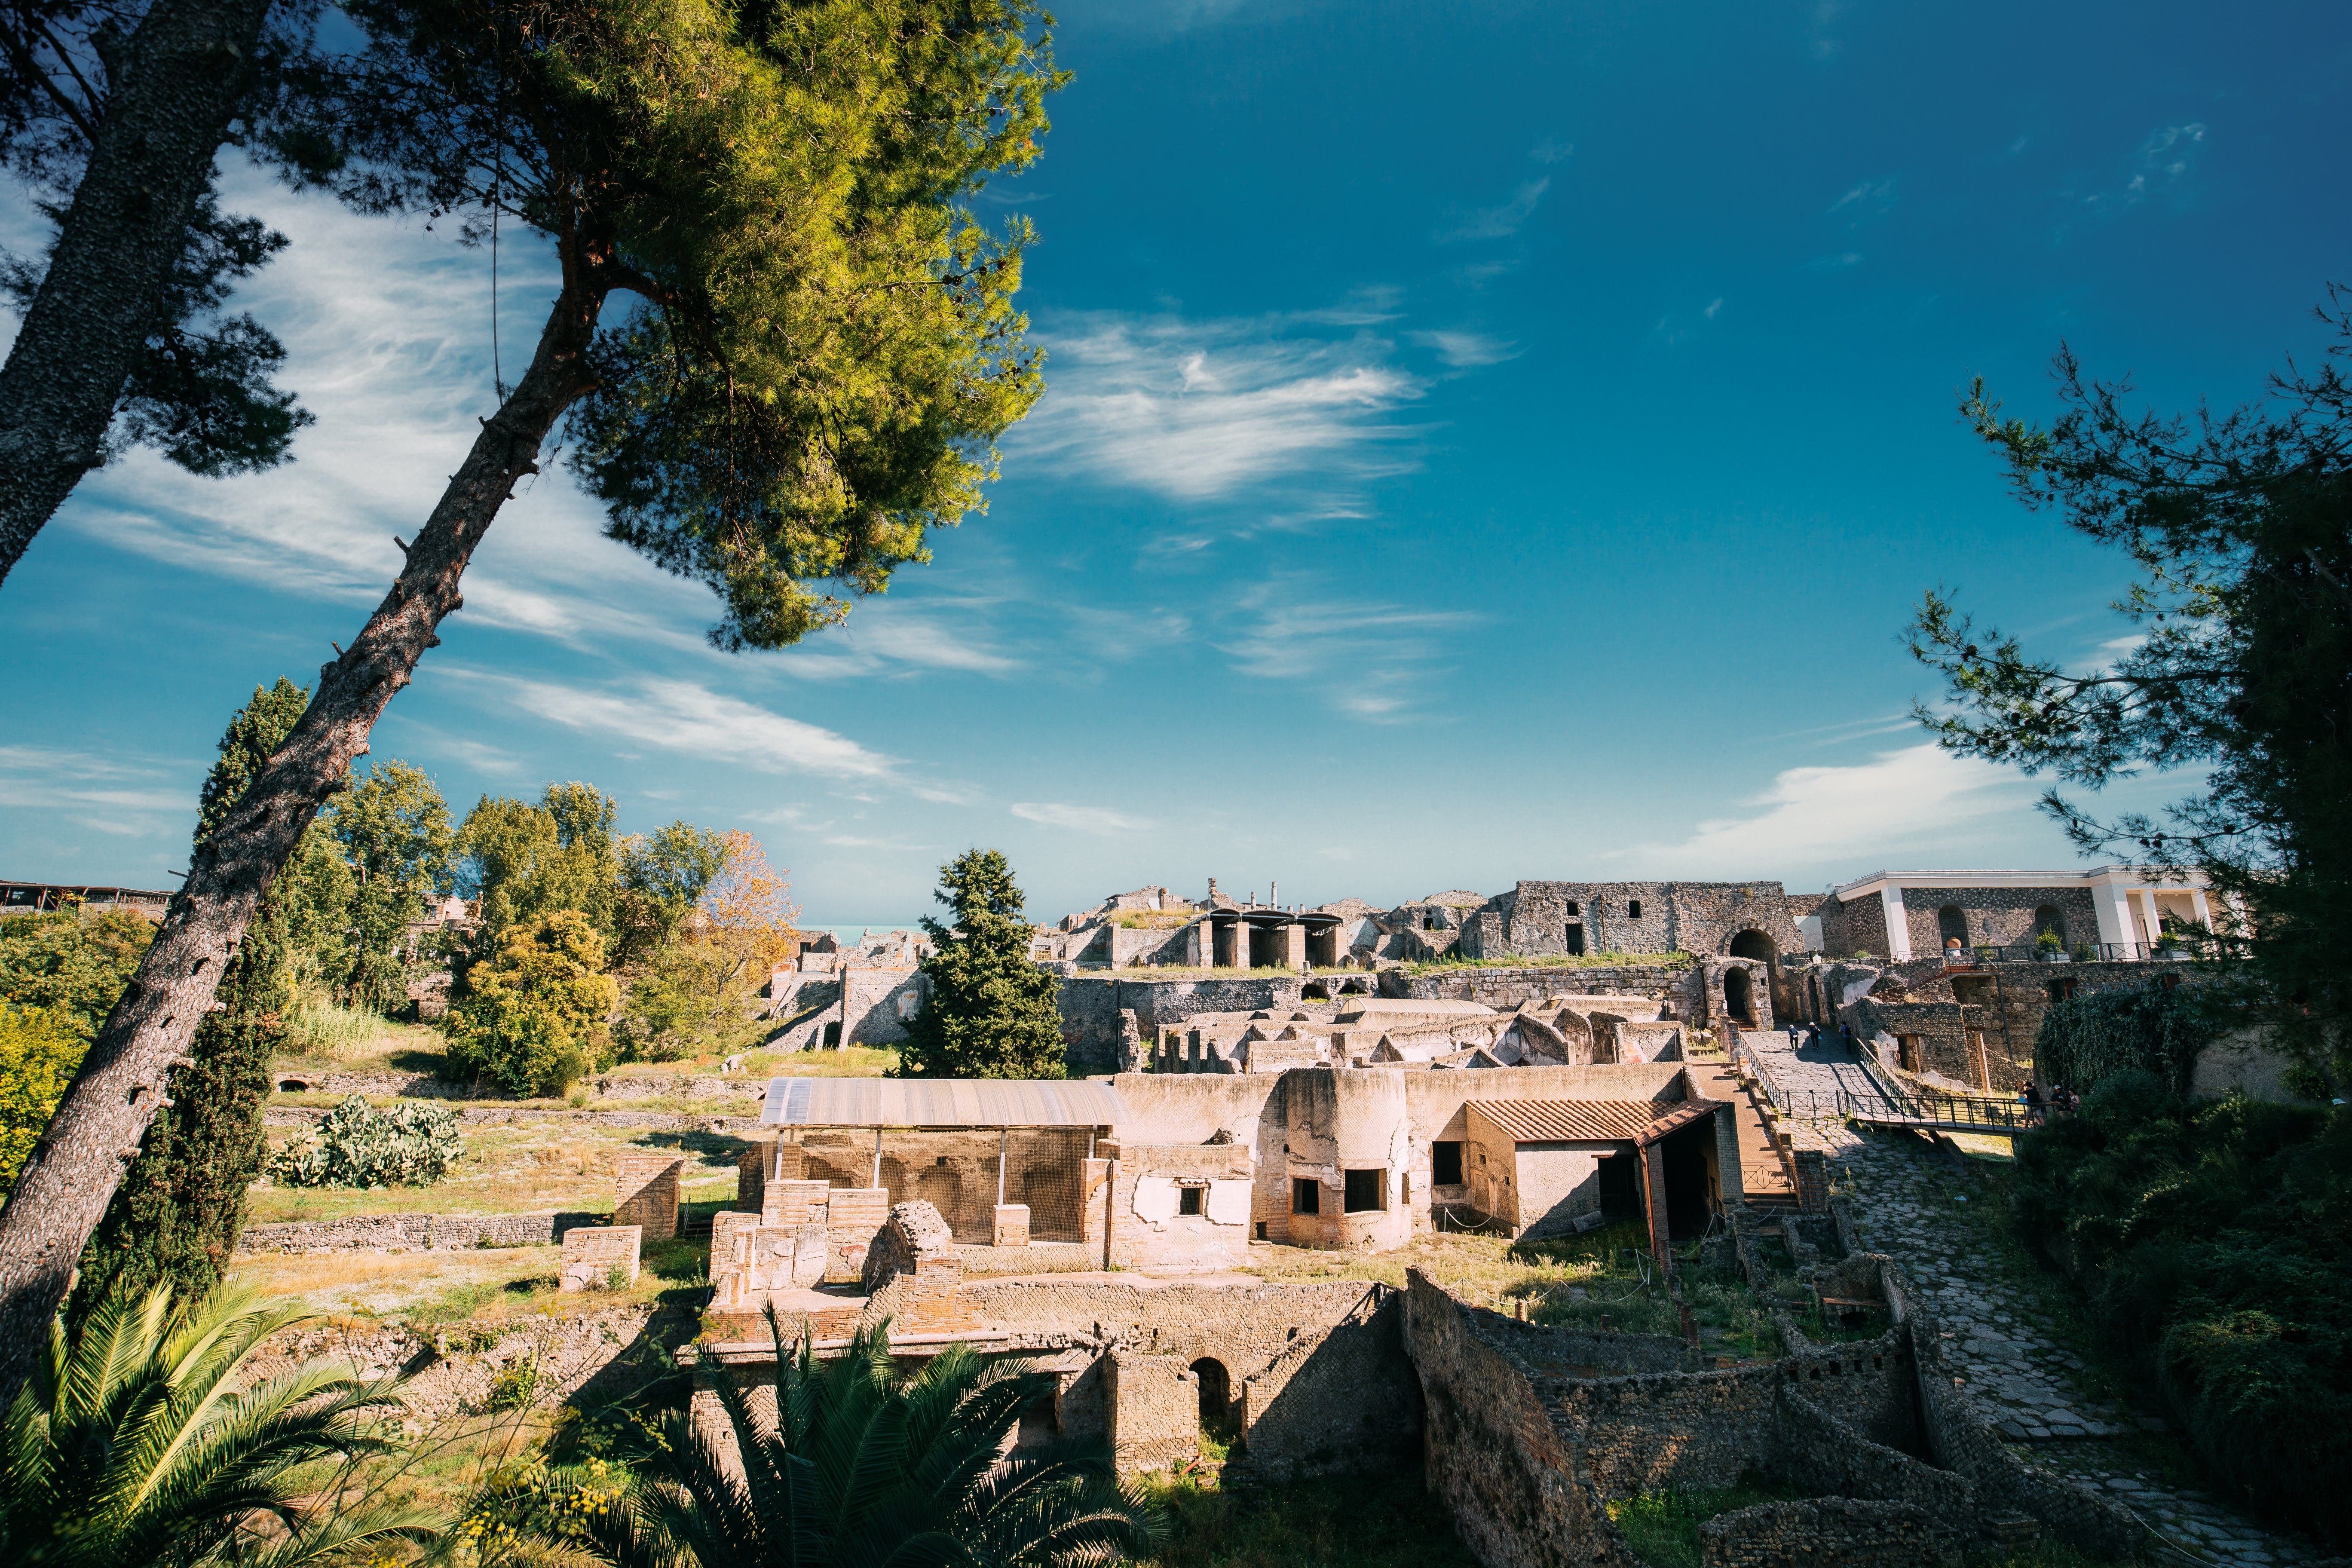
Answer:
(65, 1186)
(164, 118)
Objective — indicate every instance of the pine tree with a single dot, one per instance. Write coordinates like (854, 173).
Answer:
(991, 1011)
(176, 1215)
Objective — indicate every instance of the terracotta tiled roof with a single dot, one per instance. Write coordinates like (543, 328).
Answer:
(1591, 1120)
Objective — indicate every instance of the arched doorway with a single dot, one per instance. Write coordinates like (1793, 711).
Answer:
(1738, 998)
(1753, 944)
(2046, 917)
(1951, 926)
(1216, 1398)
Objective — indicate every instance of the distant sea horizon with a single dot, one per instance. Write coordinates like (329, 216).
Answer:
(850, 932)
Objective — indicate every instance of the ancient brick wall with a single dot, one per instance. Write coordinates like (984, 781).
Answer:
(1155, 1411)
(1505, 989)
(1341, 1398)
(2000, 916)
(1829, 1458)
(645, 1193)
(1828, 1532)
(600, 1258)
(414, 1231)
(1492, 1452)
(1091, 1005)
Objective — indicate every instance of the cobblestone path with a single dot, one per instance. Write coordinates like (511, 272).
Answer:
(1914, 1203)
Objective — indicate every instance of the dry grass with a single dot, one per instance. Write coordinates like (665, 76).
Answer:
(518, 1168)
(368, 1284)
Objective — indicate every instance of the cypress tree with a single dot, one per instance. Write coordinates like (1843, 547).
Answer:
(991, 1011)
(176, 1215)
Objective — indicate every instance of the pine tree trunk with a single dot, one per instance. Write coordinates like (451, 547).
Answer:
(72, 1176)
(166, 116)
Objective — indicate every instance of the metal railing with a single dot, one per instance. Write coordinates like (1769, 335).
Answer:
(2078, 953)
(1742, 1051)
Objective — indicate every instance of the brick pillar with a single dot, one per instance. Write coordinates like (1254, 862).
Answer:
(1094, 1208)
(1654, 1200)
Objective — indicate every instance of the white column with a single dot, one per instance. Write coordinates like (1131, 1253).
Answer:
(1898, 922)
(1001, 1135)
(2204, 911)
(2111, 902)
(877, 1156)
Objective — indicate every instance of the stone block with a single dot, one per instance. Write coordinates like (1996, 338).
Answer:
(594, 1257)
(854, 1218)
(1012, 1225)
(645, 1193)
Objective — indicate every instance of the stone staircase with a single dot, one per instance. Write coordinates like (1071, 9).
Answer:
(1767, 1172)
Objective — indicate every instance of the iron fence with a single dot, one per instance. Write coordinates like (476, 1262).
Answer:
(2079, 953)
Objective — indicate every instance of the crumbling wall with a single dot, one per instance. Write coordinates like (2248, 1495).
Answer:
(1491, 1450)
(1505, 988)
(1339, 1399)
(1091, 1004)
(414, 1232)
(1156, 1411)
(1828, 1532)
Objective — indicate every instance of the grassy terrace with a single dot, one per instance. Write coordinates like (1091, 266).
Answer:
(1558, 961)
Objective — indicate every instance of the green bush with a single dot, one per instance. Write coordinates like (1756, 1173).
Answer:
(535, 1014)
(40, 1047)
(2144, 1028)
(356, 1146)
(2213, 1240)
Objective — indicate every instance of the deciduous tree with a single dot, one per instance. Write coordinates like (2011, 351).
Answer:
(989, 1010)
(532, 1014)
(823, 350)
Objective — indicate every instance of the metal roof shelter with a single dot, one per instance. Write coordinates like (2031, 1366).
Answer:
(880, 1102)
(1591, 1120)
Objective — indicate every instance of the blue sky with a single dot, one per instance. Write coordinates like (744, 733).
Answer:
(1480, 443)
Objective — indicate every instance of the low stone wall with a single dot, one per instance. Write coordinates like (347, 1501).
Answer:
(1830, 1532)
(425, 1086)
(414, 1232)
(1091, 1004)
(1492, 1450)
(1505, 989)
(457, 1372)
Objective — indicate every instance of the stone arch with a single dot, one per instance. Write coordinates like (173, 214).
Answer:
(1216, 1392)
(1753, 944)
(2046, 917)
(1952, 924)
(1739, 994)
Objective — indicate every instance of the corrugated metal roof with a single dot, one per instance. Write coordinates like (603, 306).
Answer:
(1590, 1121)
(940, 1102)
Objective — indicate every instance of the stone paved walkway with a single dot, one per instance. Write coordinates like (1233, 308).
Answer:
(1911, 1201)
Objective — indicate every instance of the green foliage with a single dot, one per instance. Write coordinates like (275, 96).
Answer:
(663, 874)
(1663, 1527)
(989, 1011)
(862, 1463)
(174, 1216)
(253, 737)
(2144, 1028)
(74, 961)
(137, 1443)
(2239, 664)
(1379, 1520)
(2213, 1240)
(676, 999)
(355, 1145)
(395, 836)
(314, 896)
(40, 1048)
(534, 1018)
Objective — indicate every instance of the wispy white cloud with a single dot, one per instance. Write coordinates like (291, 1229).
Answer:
(1870, 195)
(1099, 821)
(1466, 350)
(123, 796)
(1899, 806)
(1552, 149)
(1498, 222)
(2165, 158)
(1369, 660)
(684, 718)
(1199, 410)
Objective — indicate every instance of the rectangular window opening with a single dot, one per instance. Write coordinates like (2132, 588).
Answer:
(1633, 909)
(1306, 1196)
(1188, 1200)
(1366, 1190)
(1445, 1164)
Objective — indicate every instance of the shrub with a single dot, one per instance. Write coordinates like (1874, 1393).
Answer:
(74, 961)
(356, 1146)
(39, 1049)
(2144, 1028)
(2212, 1240)
(537, 1010)
(323, 1030)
